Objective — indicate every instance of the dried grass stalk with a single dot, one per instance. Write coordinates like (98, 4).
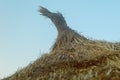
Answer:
(66, 36)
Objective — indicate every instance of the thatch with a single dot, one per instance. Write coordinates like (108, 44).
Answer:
(67, 38)
(73, 57)
(69, 66)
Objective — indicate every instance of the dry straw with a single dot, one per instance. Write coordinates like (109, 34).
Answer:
(73, 57)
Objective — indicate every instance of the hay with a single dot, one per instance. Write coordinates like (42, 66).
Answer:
(66, 37)
(73, 57)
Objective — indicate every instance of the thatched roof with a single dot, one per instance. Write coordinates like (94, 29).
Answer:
(73, 57)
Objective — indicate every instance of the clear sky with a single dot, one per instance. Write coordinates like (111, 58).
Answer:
(25, 35)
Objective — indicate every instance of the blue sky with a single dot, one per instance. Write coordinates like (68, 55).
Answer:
(25, 35)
